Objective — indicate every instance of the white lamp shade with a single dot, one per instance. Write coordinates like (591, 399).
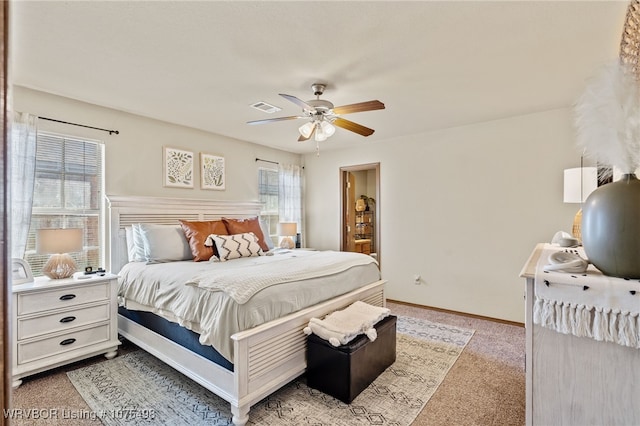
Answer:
(327, 128)
(306, 129)
(54, 241)
(319, 135)
(287, 229)
(579, 183)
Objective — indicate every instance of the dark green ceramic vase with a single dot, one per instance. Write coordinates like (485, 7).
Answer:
(611, 227)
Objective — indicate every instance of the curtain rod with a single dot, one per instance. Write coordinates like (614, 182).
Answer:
(80, 125)
(267, 161)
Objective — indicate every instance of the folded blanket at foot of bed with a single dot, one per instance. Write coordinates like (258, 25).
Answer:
(340, 327)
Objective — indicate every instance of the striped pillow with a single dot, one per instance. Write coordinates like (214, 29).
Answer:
(235, 246)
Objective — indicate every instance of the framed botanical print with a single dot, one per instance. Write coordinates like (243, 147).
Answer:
(212, 174)
(178, 168)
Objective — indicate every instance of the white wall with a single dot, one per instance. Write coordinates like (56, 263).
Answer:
(462, 207)
(133, 163)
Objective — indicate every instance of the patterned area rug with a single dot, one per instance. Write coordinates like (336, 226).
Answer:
(138, 389)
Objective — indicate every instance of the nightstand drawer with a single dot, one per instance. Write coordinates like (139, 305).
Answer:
(32, 302)
(49, 347)
(48, 323)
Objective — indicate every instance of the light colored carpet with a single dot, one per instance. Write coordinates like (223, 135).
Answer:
(138, 389)
(485, 387)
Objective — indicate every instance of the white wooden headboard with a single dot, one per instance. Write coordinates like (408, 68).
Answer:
(127, 210)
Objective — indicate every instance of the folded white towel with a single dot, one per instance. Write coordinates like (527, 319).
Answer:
(341, 327)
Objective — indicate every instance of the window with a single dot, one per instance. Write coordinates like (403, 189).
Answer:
(67, 193)
(268, 192)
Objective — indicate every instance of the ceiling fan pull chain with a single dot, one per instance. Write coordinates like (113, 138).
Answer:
(317, 149)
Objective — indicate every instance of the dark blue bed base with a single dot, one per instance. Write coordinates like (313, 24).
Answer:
(174, 332)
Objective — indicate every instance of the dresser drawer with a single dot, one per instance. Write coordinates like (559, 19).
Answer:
(44, 300)
(51, 346)
(70, 318)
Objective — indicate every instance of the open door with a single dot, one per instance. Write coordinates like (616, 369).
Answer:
(360, 225)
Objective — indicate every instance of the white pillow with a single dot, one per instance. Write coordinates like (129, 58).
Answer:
(135, 245)
(164, 243)
(235, 246)
(265, 233)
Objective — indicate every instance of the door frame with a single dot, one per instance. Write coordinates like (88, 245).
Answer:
(5, 345)
(343, 201)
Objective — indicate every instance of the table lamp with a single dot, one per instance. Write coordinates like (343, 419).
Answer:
(578, 184)
(286, 230)
(59, 243)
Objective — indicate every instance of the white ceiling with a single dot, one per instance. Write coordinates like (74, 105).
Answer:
(201, 64)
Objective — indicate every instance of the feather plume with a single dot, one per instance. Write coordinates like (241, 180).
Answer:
(607, 118)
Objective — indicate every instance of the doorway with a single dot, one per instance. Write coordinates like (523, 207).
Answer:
(360, 206)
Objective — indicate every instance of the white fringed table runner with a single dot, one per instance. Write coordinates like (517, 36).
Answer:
(588, 304)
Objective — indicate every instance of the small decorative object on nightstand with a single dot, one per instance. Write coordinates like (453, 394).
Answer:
(20, 272)
(56, 322)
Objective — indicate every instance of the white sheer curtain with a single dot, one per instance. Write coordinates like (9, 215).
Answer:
(290, 184)
(23, 166)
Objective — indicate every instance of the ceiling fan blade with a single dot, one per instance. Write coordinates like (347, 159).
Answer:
(354, 127)
(298, 102)
(359, 107)
(313, 130)
(270, 120)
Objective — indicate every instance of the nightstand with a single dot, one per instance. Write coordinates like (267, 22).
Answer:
(56, 322)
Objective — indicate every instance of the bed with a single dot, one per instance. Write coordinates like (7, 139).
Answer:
(262, 358)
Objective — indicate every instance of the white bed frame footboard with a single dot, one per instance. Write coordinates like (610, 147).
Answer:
(265, 357)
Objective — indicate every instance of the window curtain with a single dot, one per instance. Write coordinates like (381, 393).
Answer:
(23, 166)
(290, 184)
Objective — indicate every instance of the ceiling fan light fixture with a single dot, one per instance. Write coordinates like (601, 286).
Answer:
(320, 134)
(322, 116)
(306, 129)
(327, 128)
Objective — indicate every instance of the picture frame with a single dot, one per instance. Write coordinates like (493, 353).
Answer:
(212, 172)
(178, 167)
(20, 272)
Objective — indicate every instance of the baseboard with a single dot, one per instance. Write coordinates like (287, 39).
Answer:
(465, 314)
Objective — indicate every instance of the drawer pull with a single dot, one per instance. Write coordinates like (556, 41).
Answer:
(67, 342)
(67, 319)
(67, 296)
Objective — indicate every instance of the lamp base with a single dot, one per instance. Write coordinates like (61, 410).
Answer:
(287, 243)
(60, 266)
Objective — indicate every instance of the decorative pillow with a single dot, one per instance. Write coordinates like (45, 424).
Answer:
(197, 233)
(235, 246)
(164, 243)
(241, 226)
(265, 233)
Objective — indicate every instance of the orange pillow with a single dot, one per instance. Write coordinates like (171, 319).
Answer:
(197, 233)
(240, 226)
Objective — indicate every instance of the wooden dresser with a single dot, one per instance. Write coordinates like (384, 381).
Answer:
(56, 322)
(576, 380)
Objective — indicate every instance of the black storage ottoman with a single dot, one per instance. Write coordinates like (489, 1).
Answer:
(345, 371)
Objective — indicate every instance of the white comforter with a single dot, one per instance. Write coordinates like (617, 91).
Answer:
(241, 281)
(162, 289)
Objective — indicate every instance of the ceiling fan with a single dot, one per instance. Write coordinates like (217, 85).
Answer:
(323, 116)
